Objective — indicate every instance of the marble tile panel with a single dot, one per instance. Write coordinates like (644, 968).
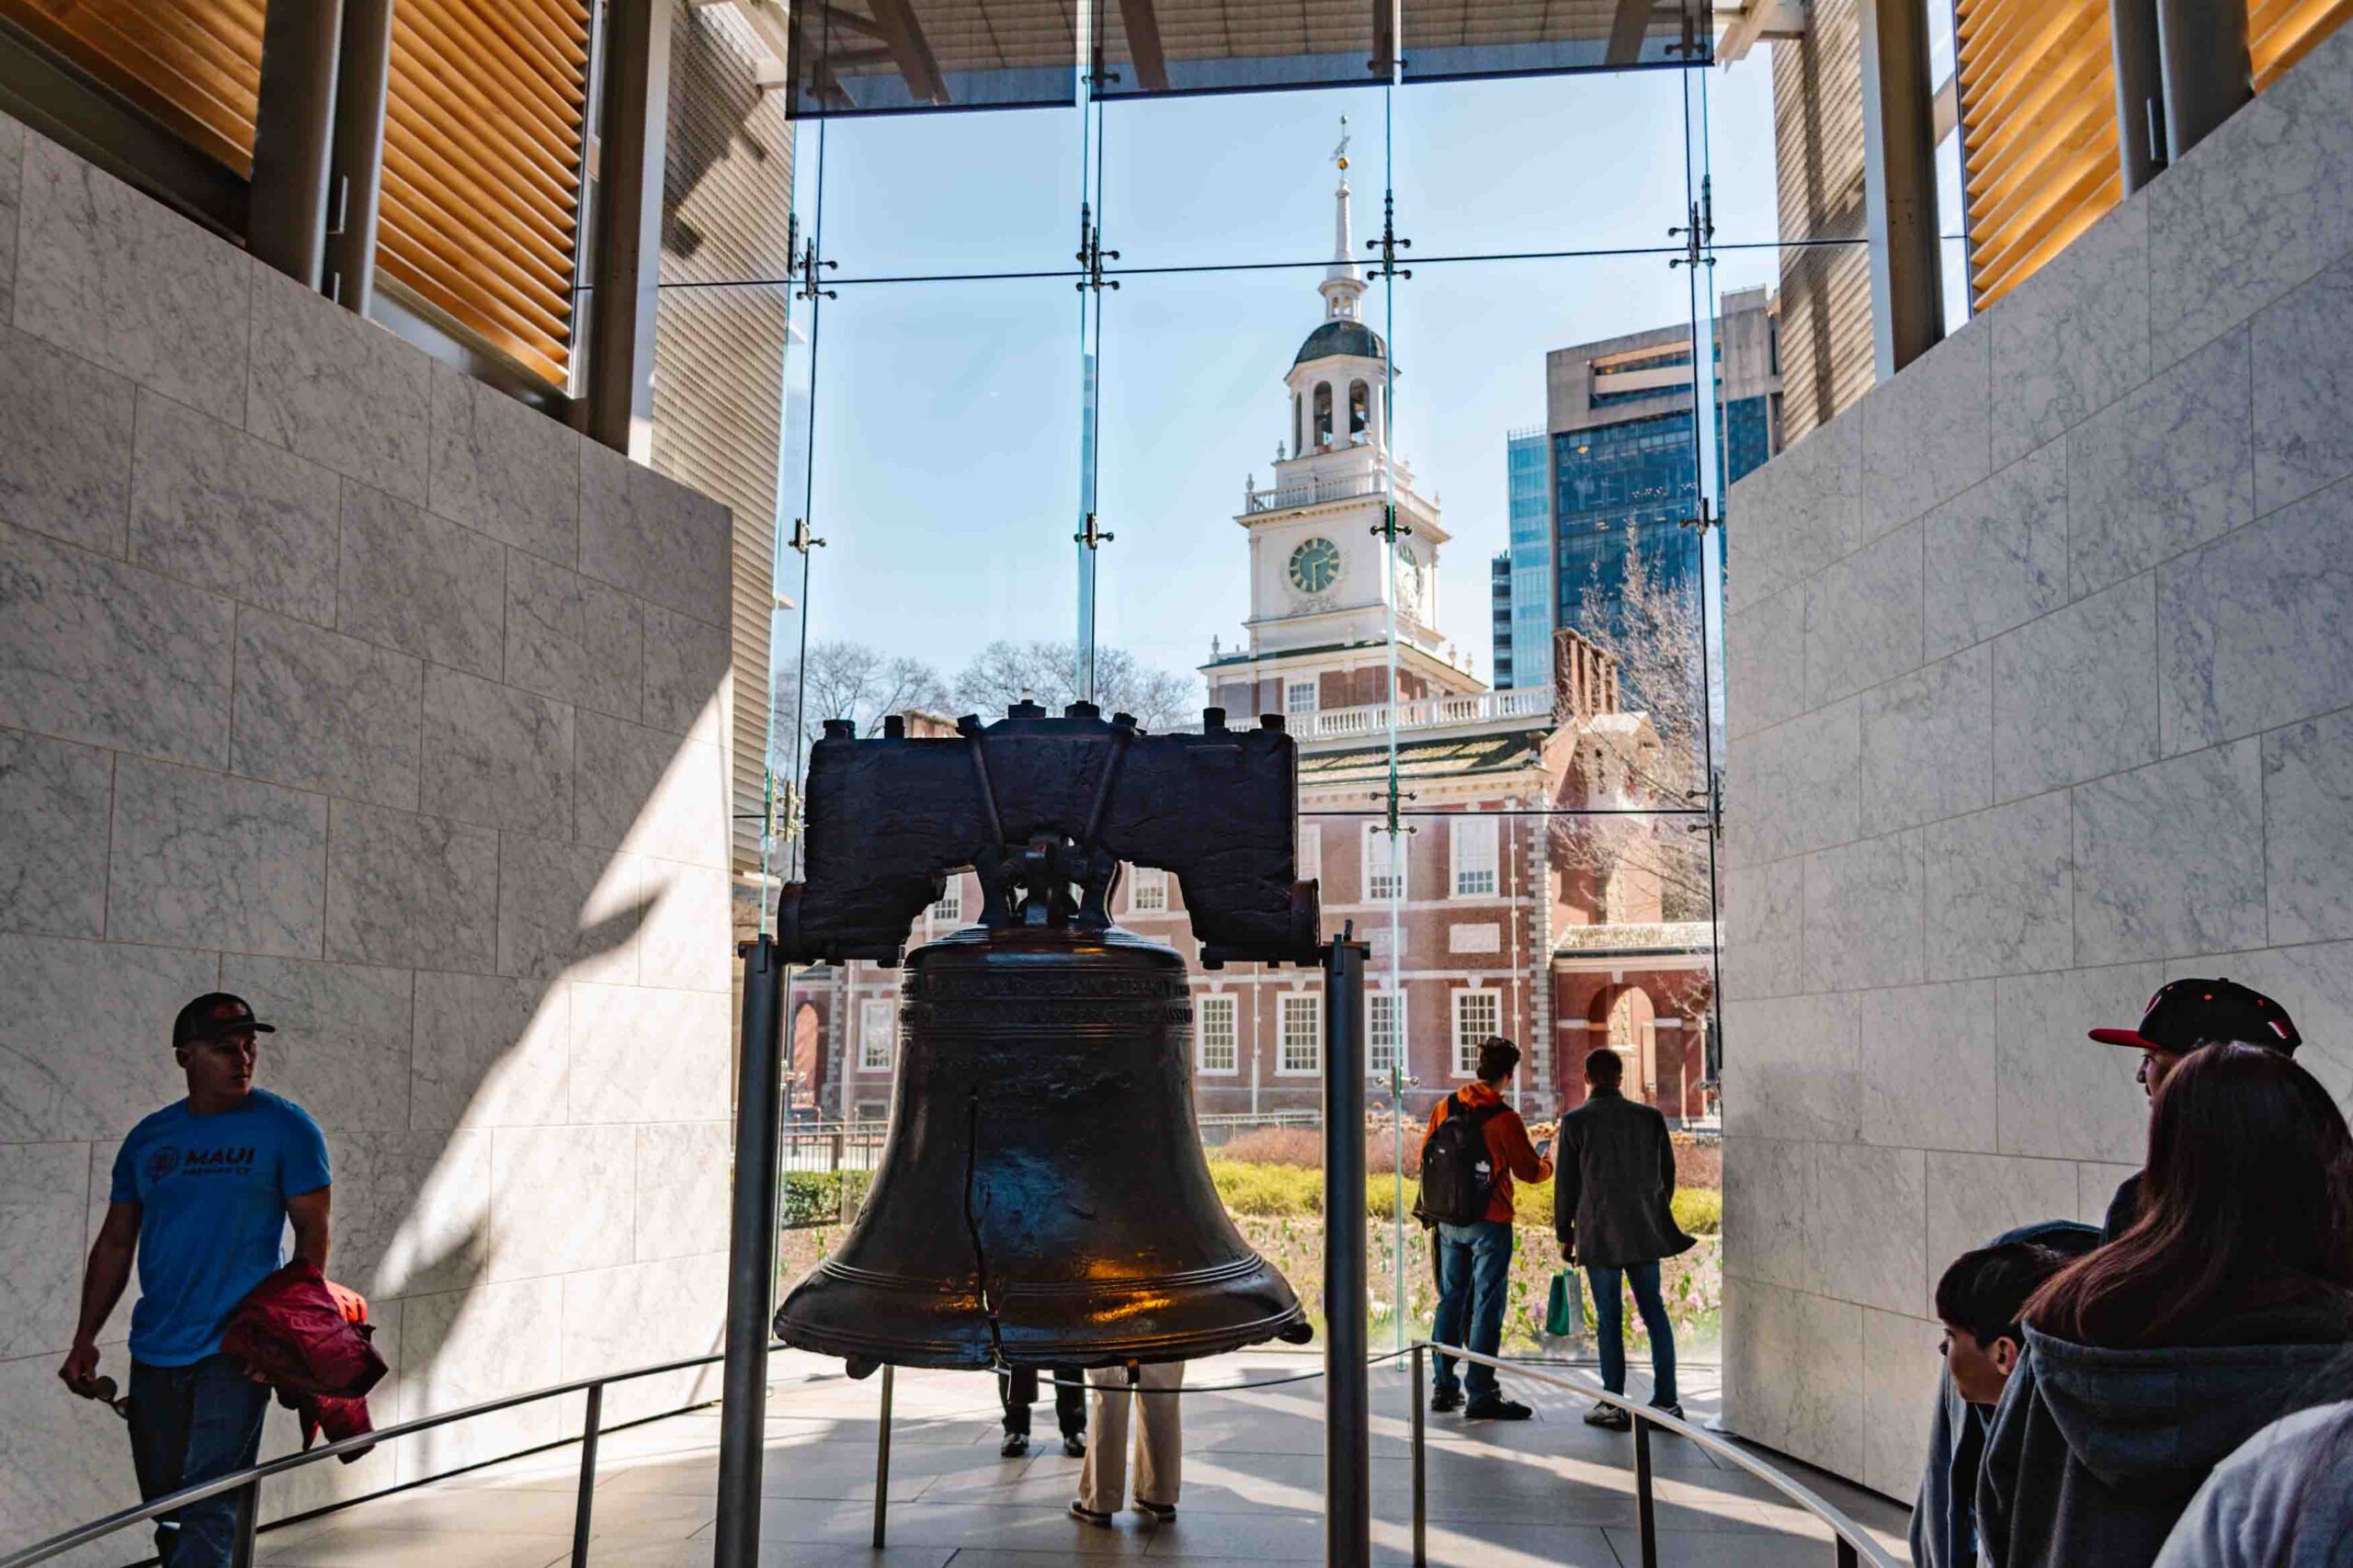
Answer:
(689, 941)
(85, 1042)
(2170, 466)
(341, 1048)
(495, 755)
(2075, 692)
(1793, 1374)
(651, 536)
(1928, 1054)
(642, 1313)
(574, 638)
(44, 1188)
(1973, 1199)
(197, 860)
(463, 1348)
(56, 804)
(2169, 858)
(2073, 337)
(63, 1462)
(2304, 370)
(650, 792)
(1763, 951)
(2059, 1095)
(1798, 514)
(2095, 1188)
(64, 443)
(227, 511)
(420, 584)
(1862, 618)
(490, 1051)
(2307, 830)
(94, 650)
(1764, 1224)
(336, 387)
(1793, 788)
(1928, 744)
(562, 1199)
(683, 1184)
(2262, 204)
(2314, 983)
(504, 469)
(688, 684)
(111, 276)
(2002, 890)
(320, 711)
(2255, 630)
(1865, 1225)
(12, 199)
(1797, 1071)
(1865, 908)
(1903, 1365)
(412, 1211)
(1928, 435)
(569, 909)
(413, 891)
(616, 1077)
(1997, 554)
(1764, 661)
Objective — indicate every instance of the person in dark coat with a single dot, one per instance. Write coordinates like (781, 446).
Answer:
(2151, 1359)
(1612, 1209)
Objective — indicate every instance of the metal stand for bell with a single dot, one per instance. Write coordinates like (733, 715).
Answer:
(1347, 1399)
(751, 1260)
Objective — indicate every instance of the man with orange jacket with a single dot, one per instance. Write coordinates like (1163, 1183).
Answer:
(1474, 1260)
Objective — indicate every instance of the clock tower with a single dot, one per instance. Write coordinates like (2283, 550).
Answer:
(1322, 589)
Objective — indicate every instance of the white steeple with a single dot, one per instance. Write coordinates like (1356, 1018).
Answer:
(1342, 283)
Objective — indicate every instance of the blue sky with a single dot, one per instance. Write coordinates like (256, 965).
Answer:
(947, 447)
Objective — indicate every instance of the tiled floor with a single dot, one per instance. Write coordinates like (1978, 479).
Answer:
(1551, 1492)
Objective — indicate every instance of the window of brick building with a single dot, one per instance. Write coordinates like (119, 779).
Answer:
(1310, 852)
(951, 906)
(1384, 863)
(1474, 856)
(1299, 696)
(1478, 1015)
(876, 1032)
(1148, 893)
(1213, 1023)
(1303, 1034)
(1383, 1010)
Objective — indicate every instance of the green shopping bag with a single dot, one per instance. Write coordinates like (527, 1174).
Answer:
(1564, 1314)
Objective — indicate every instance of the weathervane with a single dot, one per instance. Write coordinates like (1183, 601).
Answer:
(1340, 153)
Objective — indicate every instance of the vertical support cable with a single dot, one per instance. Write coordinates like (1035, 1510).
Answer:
(1348, 1401)
(1703, 255)
(1390, 66)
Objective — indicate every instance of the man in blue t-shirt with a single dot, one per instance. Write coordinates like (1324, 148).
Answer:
(203, 1191)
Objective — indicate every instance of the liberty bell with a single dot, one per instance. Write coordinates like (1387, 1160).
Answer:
(1042, 1198)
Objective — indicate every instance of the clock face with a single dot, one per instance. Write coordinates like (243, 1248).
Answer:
(1315, 565)
(1409, 581)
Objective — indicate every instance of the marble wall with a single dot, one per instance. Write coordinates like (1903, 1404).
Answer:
(2041, 693)
(334, 678)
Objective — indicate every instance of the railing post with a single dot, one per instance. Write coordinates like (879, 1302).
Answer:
(1347, 1402)
(1844, 1554)
(751, 1260)
(882, 1461)
(1421, 1464)
(241, 1554)
(1645, 1512)
(586, 1506)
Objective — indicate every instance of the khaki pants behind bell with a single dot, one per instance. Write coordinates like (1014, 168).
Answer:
(1160, 1438)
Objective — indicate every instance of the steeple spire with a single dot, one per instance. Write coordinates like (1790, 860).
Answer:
(1342, 283)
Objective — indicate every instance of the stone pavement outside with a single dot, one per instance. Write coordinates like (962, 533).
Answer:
(1549, 1491)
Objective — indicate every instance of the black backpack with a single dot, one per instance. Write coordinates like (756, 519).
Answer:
(1458, 1172)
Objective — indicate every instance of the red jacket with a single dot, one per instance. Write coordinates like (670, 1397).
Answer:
(308, 1338)
(1507, 1143)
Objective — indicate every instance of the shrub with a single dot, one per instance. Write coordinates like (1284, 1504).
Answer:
(1301, 1146)
(1699, 1210)
(1269, 1191)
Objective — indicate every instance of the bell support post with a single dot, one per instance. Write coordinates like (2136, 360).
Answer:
(1347, 1399)
(751, 1257)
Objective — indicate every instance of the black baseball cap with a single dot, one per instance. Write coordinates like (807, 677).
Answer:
(214, 1014)
(2186, 1013)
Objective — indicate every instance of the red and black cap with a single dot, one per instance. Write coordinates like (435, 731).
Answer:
(213, 1014)
(2186, 1013)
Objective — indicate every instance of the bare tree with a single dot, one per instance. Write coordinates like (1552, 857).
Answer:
(849, 680)
(1652, 630)
(1046, 673)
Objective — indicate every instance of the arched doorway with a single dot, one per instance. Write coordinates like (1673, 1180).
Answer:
(1623, 1019)
(806, 1055)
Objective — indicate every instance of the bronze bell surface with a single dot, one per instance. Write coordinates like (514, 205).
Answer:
(1043, 1198)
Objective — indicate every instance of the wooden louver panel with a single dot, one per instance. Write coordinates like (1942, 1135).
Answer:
(2039, 150)
(2280, 32)
(482, 168)
(192, 65)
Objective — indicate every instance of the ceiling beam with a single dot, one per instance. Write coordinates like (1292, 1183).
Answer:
(1144, 44)
(897, 20)
(1626, 32)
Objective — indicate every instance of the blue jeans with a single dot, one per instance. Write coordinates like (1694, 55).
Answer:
(1610, 1327)
(1474, 1278)
(189, 1424)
